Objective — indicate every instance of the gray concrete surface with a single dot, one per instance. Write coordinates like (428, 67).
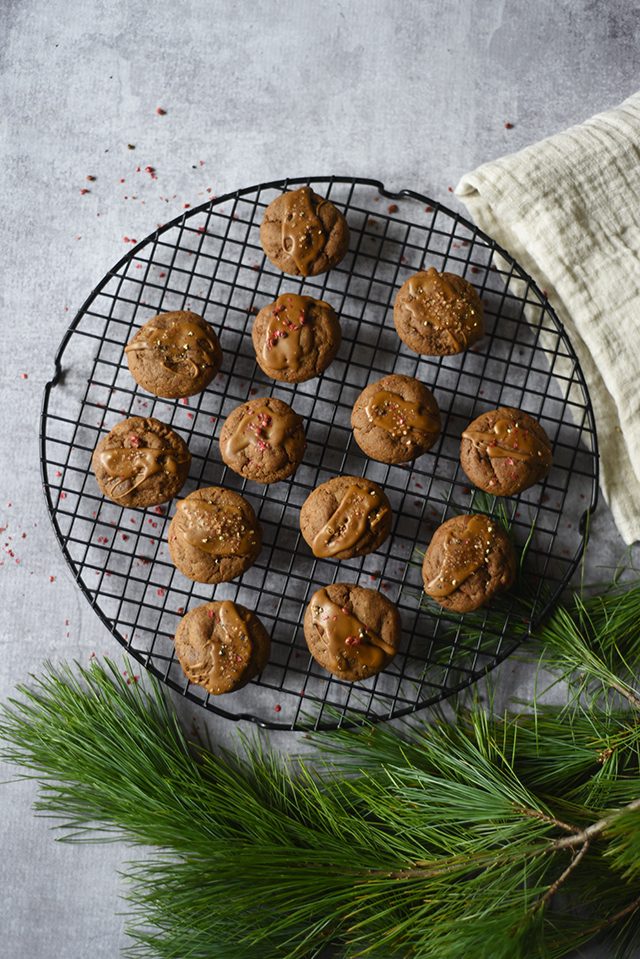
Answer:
(413, 93)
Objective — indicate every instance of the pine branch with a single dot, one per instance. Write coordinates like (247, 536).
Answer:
(439, 839)
(616, 917)
(442, 841)
(596, 640)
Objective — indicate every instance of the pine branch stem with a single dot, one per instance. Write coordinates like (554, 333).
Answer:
(595, 829)
(416, 873)
(611, 920)
(536, 814)
(579, 839)
(628, 694)
(433, 871)
(553, 888)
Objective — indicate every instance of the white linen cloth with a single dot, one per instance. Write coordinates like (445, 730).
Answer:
(568, 209)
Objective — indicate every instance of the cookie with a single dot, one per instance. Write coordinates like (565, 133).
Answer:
(344, 517)
(263, 440)
(214, 536)
(295, 338)
(395, 419)
(469, 559)
(505, 451)
(174, 355)
(141, 462)
(438, 314)
(221, 646)
(303, 234)
(352, 632)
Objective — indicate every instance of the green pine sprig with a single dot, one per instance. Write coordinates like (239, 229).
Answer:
(507, 836)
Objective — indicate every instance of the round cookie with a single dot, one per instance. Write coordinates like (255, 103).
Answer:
(344, 517)
(263, 440)
(469, 559)
(395, 419)
(438, 314)
(295, 338)
(221, 646)
(505, 451)
(141, 462)
(214, 536)
(352, 632)
(303, 234)
(174, 355)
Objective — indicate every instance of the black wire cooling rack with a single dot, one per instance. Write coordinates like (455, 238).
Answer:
(210, 260)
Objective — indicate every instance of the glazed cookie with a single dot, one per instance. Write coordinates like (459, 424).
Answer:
(214, 536)
(505, 451)
(352, 632)
(263, 440)
(141, 462)
(469, 559)
(438, 314)
(395, 419)
(221, 646)
(174, 354)
(304, 234)
(295, 338)
(344, 517)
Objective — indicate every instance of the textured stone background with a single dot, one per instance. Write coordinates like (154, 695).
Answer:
(413, 93)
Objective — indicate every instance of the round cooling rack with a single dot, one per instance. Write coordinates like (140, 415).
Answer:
(209, 260)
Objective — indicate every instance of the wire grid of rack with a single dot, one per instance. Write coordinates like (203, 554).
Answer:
(210, 260)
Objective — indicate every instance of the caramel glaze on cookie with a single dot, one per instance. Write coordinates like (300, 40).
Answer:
(263, 440)
(295, 338)
(214, 536)
(141, 462)
(221, 646)
(438, 314)
(304, 234)
(351, 632)
(344, 517)
(395, 419)
(505, 451)
(174, 354)
(469, 559)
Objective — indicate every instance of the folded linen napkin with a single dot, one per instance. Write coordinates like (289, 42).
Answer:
(568, 209)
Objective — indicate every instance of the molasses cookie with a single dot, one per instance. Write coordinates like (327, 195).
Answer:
(295, 338)
(469, 559)
(505, 451)
(438, 314)
(141, 462)
(344, 517)
(214, 536)
(352, 632)
(304, 234)
(263, 440)
(174, 354)
(395, 419)
(221, 646)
